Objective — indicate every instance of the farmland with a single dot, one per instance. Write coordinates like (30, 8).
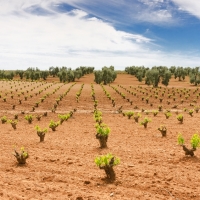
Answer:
(63, 167)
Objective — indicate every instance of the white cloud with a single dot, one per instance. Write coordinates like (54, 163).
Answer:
(158, 12)
(31, 40)
(190, 6)
(157, 17)
(151, 2)
(72, 40)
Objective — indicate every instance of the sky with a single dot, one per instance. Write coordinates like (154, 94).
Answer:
(98, 33)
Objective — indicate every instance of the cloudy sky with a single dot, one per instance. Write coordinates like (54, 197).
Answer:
(73, 33)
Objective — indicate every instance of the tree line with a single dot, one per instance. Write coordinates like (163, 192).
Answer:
(151, 76)
(63, 73)
(106, 75)
(161, 74)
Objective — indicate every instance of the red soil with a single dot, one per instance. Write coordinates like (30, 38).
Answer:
(62, 167)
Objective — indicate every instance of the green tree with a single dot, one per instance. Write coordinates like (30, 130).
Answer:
(166, 78)
(138, 72)
(27, 75)
(10, 75)
(62, 74)
(78, 73)
(157, 75)
(152, 77)
(98, 76)
(70, 75)
(44, 74)
(2, 74)
(20, 73)
(36, 75)
(195, 76)
(53, 71)
(106, 75)
(180, 73)
(172, 69)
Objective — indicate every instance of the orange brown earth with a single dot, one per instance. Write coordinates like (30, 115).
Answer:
(62, 167)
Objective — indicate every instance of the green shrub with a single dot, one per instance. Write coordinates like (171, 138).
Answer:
(53, 125)
(181, 140)
(41, 132)
(129, 114)
(21, 156)
(180, 118)
(168, 114)
(136, 117)
(4, 119)
(191, 112)
(195, 141)
(102, 134)
(13, 123)
(155, 112)
(29, 118)
(104, 160)
(196, 109)
(163, 130)
(145, 122)
(62, 118)
(102, 129)
(107, 162)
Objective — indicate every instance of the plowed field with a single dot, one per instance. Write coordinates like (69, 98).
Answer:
(62, 167)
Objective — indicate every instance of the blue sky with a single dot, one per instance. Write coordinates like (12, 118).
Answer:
(73, 33)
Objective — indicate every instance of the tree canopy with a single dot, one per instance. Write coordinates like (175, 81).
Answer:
(106, 75)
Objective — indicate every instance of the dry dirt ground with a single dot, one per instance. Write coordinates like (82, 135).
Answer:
(62, 167)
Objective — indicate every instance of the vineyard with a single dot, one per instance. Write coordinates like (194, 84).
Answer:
(58, 127)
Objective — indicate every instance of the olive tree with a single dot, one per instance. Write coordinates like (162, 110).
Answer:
(106, 75)
(20, 73)
(2, 74)
(152, 77)
(172, 69)
(156, 75)
(44, 74)
(53, 71)
(70, 75)
(32, 73)
(7, 74)
(195, 76)
(138, 72)
(78, 73)
(180, 73)
(62, 74)
(98, 76)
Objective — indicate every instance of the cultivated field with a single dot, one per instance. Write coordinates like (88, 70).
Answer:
(62, 167)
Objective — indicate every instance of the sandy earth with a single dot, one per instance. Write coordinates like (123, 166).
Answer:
(62, 167)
